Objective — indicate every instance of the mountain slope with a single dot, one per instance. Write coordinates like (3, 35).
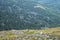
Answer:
(24, 14)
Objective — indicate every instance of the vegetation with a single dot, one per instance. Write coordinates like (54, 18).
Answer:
(47, 34)
(23, 15)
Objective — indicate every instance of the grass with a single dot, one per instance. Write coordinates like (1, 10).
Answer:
(50, 33)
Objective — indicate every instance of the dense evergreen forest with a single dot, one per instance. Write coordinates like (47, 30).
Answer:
(29, 14)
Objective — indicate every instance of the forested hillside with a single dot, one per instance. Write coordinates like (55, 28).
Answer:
(25, 14)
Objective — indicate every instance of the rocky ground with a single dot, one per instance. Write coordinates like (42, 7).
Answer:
(30, 34)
